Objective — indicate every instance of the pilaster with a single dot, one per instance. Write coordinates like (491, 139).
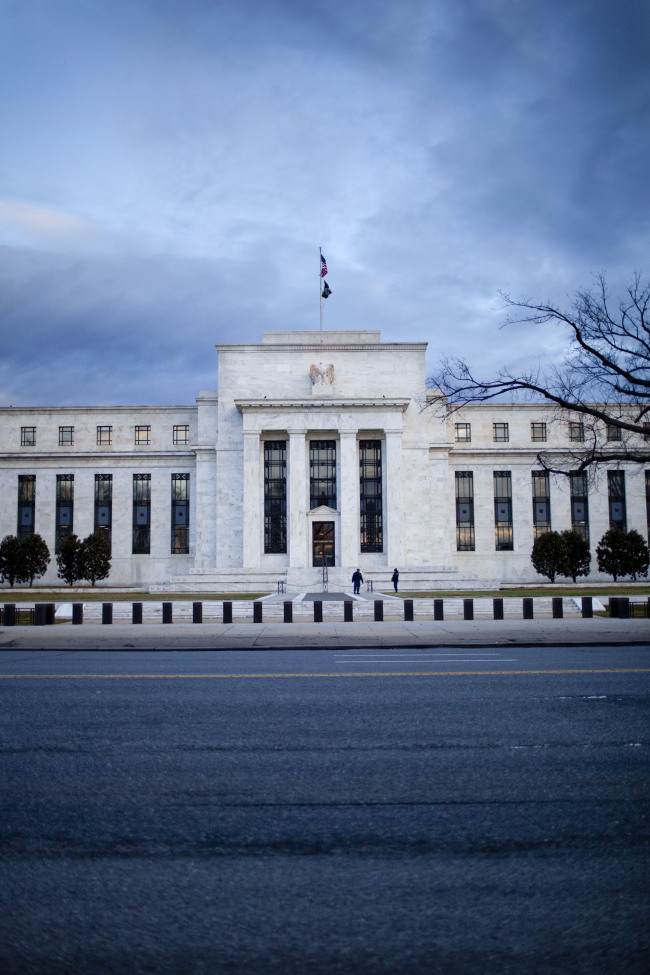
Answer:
(349, 499)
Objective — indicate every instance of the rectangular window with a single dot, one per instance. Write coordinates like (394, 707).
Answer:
(142, 435)
(577, 432)
(180, 514)
(104, 506)
(66, 436)
(541, 503)
(647, 500)
(64, 508)
(28, 436)
(538, 432)
(141, 514)
(372, 526)
(464, 511)
(503, 540)
(275, 496)
(616, 495)
(181, 433)
(26, 505)
(613, 432)
(463, 432)
(322, 473)
(579, 505)
(500, 432)
(104, 436)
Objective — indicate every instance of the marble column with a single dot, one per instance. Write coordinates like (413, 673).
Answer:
(204, 516)
(393, 508)
(349, 499)
(298, 499)
(252, 541)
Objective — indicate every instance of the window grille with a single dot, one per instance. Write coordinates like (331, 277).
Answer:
(28, 436)
(26, 505)
(541, 503)
(577, 432)
(66, 436)
(322, 473)
(141, 542)
(275, 496)
(538, 432)
(579, 505)
(104, 436)
(616, 497)
(181, 433)
(104, 506)
(503, 530)
(463, 432)
(64, 509)
(142, 435)
(372, 528)
(465, 511)
(500, 432)
(180, 544)
(613, 432)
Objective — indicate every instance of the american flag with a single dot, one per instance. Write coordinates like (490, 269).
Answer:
(323, 266)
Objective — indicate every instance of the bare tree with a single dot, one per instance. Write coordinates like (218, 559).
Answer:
(603, 385)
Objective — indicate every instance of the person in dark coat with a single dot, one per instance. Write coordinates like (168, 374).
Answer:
(395, 579)
(357, 579)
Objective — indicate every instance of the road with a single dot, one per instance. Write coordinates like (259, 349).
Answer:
(370, 811)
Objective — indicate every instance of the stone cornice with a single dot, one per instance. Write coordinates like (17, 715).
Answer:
(326, 346)
(325, 404)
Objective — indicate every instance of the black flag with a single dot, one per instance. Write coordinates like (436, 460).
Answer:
(326, 292)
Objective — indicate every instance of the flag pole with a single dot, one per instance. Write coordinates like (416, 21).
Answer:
(320, 290)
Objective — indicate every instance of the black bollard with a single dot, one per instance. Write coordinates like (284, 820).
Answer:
(347, 611)
(288, 611)
(528, 607)
(497, 608)
(10, 614)
(624, 607)
(136, 613)
(107, 612)
(587, 607)
(438, 609)
(558, 608)
(49, 614)
(257, 612)
(379, 610)
(468, 609)
(408, 610)
(613, 607)
(318, 611)
(197, 612)
(77, 614)
(39, 614)
(167, 612)
(227, 612)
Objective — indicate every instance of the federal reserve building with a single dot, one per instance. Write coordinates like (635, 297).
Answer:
(315, 450)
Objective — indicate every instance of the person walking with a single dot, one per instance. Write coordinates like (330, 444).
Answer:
(357, 579)
(395, 579)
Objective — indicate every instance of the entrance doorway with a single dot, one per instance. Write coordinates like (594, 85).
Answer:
(322, 543)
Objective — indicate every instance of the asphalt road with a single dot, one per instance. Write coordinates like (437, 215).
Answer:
(372, 811)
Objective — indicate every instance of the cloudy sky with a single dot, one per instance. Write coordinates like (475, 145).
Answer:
(169, 169)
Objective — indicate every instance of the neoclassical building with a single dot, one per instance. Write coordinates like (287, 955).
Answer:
(316, 449)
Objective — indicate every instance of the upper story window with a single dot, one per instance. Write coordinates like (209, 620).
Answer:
(104, 436)
(613, 432)
(181, 433)
(538, 432)
(577, 432)
(143, 435)
(463, 432)
(28, 436)
(501, 432)
(66, 436)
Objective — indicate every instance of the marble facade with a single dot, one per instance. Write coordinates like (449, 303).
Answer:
(295, 388)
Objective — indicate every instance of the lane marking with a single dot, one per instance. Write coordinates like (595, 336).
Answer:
(361, 673)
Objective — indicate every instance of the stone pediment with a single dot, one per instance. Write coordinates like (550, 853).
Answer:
(322, 510)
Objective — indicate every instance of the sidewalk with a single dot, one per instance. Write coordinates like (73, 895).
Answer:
(328, 635)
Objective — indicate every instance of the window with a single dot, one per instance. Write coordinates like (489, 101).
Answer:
(26, 505)
(579, 505)
(142, 435)
(613, 432)
(141, 514)
(538, 432)
(104, 506)
(275, 496)
(577, 432)
(463, 432)
(180, 514)
(647, 500)
(616, 496)
(370, 496)
(104, 436)
(500, 432)
(66, 436)
(541, 503)
(64, 509)
(322, 473)
(28, 436)
(181, 433)
(503, 540)
(464, 511)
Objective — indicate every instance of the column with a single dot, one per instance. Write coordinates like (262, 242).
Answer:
(297, 521)
(349, 499)
(252, 540)
(204, 515)
(393, 508)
